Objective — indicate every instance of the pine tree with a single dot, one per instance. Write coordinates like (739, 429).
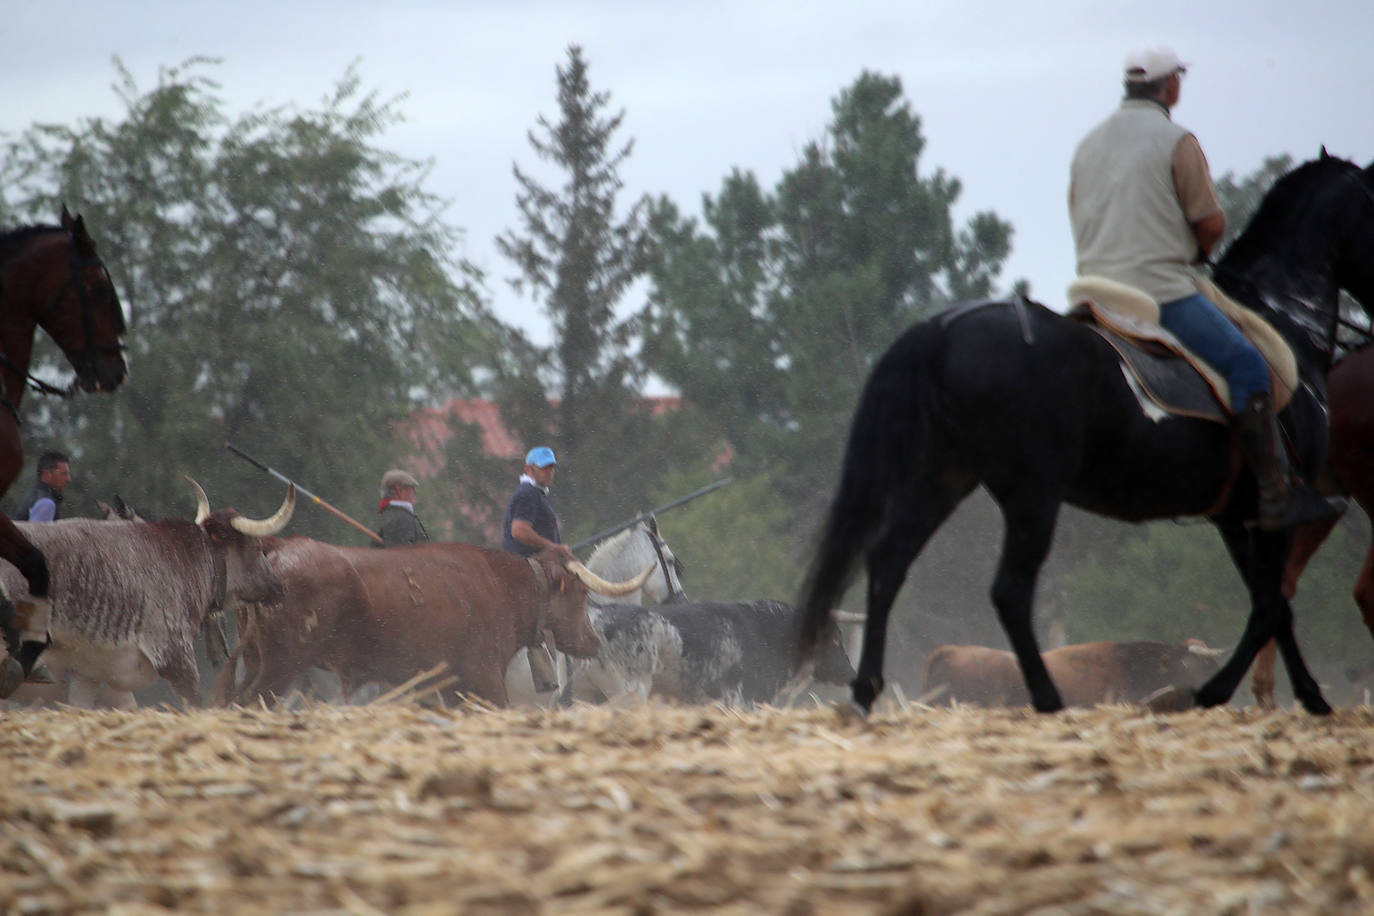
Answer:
(580, 259)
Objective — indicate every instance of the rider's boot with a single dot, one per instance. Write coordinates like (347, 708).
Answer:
(1283, 501)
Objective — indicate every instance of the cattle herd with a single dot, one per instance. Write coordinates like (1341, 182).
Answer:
(131, 597)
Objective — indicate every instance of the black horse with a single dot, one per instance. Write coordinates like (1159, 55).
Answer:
(1035, 406)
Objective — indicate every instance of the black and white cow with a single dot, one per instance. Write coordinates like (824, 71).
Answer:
(739, 653)
(129, 597)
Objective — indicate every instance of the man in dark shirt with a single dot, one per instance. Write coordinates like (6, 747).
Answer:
(531, 526)
(44, 502)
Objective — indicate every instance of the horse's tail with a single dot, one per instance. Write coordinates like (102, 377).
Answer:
(887, 438)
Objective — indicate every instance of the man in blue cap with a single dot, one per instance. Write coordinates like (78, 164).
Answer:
(531, 527)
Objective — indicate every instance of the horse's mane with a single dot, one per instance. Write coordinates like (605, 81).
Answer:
(610, 551)
(1296, 191)
(13, 238)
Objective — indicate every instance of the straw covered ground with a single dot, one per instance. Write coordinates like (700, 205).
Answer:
(400, 808)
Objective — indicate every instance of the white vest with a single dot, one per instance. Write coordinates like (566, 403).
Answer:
(1128, 223)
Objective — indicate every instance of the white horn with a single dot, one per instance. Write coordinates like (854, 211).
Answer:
(1206, 652)
(840, 616)
(609, 589)
(261, 528)
(202, 501)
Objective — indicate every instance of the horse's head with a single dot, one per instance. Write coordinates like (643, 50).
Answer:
(85, 318)
(665, 586)
(1311, 237)
(630, 551)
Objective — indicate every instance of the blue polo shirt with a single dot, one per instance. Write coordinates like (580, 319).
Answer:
(532, 504)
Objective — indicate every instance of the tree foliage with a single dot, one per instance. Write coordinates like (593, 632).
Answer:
(768, 311)
(288, 285)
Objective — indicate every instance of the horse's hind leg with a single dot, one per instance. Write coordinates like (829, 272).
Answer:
(888, 561)
(1306, 541)
(1030, 521)
(1260, 558)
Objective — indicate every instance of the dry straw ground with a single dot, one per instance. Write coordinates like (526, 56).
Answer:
(398, 808)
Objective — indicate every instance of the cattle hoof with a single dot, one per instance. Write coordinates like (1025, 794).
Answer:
(11, 677)
(1171, 699)
(41, 674)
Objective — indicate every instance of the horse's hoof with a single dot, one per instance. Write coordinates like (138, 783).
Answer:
(1171, 699)
(41, 674)
(850, 713)
(11, 677)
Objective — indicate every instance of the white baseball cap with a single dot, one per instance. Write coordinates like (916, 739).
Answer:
(1147, 64)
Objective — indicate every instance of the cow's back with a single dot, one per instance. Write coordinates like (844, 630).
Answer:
(973, 674)
(459, 604)
(742, 652)
(1131, 671)
(118, 583)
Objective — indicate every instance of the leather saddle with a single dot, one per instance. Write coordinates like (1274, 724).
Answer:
(1171, 376)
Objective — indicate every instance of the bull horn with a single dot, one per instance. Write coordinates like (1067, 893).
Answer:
(202, 501)
(609, 589)
(1206, 652)
(261, 528)
(840, 616)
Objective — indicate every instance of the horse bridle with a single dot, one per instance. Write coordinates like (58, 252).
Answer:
(85, 359)
(656, 541)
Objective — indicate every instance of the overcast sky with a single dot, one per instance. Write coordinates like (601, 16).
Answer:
(1004, 89)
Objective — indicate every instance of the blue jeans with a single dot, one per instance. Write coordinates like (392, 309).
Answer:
(1211, 335)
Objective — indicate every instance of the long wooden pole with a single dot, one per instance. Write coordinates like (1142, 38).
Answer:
(643, 515)
(304, 492)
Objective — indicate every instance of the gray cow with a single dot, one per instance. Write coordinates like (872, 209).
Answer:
(129, 597)
(740, 653)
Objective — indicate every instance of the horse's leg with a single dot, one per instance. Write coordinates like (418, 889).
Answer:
(1260, 557)
(1306, 541)
(1030, 519)
(27, 624)
(888, 561)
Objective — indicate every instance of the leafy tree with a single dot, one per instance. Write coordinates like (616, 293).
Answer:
(578, 256)
(768, 312)
(288, 285)
(1241, 196)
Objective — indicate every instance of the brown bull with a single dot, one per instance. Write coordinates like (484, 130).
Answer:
(1086, 674)
(383, 615)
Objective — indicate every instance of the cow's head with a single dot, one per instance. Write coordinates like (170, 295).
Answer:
(567, 615)
(833, 665)
(247, 576)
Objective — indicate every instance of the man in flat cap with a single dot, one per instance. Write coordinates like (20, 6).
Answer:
(397, 521)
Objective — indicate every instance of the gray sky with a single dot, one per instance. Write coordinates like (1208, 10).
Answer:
(1004, 88)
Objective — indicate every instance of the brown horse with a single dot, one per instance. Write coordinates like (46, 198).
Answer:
(1349, 387)
(50, 277)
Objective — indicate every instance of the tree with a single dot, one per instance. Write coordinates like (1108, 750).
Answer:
(288, 285)
(768, 313)
(578, 256)
(1240, 197)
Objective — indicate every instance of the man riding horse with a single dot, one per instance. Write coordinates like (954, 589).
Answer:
(1144, 209)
